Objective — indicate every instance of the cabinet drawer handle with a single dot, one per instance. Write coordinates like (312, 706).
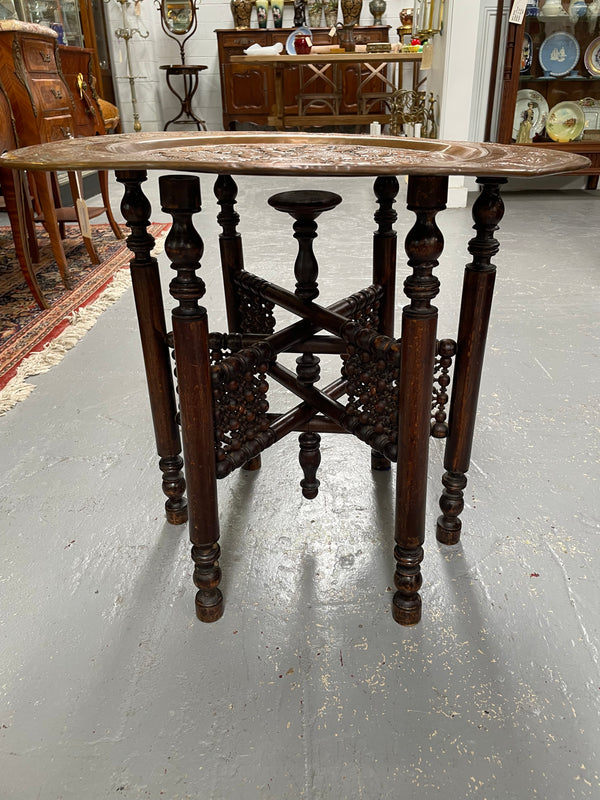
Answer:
(45, 56)
(66, 132)
(57, 93)
(243, 41)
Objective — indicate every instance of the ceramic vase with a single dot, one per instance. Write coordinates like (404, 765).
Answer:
(262, 10)
(299, 13)
(577, 9)
(241, 11)
(553, 8)
(331, 13)
(277, 12)
(351, 11)
(377, 8)
(406, 18)
(315, 12)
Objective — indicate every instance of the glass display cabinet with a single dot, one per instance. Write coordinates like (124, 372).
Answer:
(61, 15)
(78, 23)
(551, 80)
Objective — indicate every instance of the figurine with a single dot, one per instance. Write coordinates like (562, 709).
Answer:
(524, 134)
(299, 13)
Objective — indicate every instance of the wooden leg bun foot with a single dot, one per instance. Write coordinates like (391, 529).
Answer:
(212, 612)
(406, 612)
(176, 514)
(447, 535)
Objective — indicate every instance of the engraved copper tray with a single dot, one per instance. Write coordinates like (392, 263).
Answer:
(292, 154)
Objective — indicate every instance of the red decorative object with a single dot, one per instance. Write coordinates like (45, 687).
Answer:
(303, 44)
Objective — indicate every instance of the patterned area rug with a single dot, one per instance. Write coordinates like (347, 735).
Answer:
(32, 339)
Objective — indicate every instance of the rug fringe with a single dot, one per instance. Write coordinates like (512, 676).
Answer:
(80, 322)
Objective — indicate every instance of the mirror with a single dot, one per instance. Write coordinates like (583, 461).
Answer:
(178, 18)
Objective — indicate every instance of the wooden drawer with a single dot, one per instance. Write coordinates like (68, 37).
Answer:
(50, 93)
(38, 55)
(235, 42)
(56, 128)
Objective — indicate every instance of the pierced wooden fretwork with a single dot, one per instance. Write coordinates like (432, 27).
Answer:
(255, 313)
(239, 388)
(445, 352)
(371, 368)
(369, 315)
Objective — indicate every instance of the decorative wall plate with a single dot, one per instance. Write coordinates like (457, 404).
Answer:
(559, 54)
(290, 46)
(566, 121)
(591, 111)
(540, 111)
(591, 59)
(526, 54)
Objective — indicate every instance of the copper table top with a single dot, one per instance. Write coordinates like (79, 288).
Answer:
(278, 153)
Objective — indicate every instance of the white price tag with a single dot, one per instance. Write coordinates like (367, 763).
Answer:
(518, 11)
(84, 218)
(427, 60)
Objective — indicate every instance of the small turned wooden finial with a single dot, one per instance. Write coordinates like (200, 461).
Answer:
(305, 206)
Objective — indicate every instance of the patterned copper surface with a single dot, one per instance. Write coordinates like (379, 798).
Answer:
(293, 154)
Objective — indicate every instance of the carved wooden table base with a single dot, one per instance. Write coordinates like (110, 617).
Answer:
(391, 393)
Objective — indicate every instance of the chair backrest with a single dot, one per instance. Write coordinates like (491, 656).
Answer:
(76, 65)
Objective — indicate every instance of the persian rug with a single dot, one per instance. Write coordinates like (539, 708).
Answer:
(32, 339)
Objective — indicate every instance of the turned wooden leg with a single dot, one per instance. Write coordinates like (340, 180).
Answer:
(476, 304)
(310, 458)
(384, 268)
(230, 244)
(11, 182)
(180, 197)
(232, 262)
(43, 190)
(304, 207)
(424, 244)
(153, 333)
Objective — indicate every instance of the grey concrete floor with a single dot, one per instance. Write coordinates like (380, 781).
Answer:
(306, 688)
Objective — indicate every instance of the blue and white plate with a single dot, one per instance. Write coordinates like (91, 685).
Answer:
(290, 45)
(559, 54)
(526, 54)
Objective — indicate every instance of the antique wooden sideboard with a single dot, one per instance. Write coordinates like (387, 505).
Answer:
(328, 72)
(248, 90)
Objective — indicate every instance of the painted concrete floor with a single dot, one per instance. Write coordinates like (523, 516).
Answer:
(306, 688)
